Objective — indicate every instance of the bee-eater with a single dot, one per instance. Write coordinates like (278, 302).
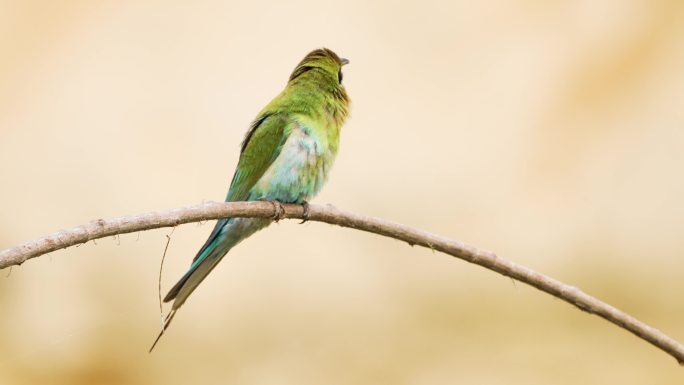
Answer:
(285, 157)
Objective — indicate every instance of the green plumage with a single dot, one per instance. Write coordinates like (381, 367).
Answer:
(285, 157)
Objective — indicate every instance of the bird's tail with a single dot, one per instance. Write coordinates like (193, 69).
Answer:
(225, 236)
(167, 322)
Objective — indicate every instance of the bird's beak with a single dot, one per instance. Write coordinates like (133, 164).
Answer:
(344, 61)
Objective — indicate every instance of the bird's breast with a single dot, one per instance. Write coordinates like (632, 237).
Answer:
(301, 168)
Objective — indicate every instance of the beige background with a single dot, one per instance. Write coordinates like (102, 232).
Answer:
(549, 132)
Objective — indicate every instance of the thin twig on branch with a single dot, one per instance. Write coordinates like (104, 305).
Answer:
(103, 228)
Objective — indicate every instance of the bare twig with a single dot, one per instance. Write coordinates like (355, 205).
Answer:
(328, 214)
(161, 270)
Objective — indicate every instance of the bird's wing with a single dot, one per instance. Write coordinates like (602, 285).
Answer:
(260, 148)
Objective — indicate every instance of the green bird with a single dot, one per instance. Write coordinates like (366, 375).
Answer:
(285, 157)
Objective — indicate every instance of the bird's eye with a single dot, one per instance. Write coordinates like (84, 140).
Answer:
(339, 76)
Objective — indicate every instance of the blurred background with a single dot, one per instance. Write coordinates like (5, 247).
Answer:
(548, 132)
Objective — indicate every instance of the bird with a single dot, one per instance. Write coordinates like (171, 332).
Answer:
(285, 157)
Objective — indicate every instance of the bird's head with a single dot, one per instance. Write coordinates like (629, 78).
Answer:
(321, 59)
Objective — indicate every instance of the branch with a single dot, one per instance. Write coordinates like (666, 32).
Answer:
(103, 228)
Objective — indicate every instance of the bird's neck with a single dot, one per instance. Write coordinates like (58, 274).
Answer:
(317, 93)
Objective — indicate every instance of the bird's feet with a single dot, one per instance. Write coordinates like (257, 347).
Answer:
(279, 210)
(305, 214)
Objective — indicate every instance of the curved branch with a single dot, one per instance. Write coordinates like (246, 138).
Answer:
(103, 228)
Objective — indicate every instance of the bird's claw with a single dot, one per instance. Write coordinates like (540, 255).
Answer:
(305, 214)
(279, 211)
